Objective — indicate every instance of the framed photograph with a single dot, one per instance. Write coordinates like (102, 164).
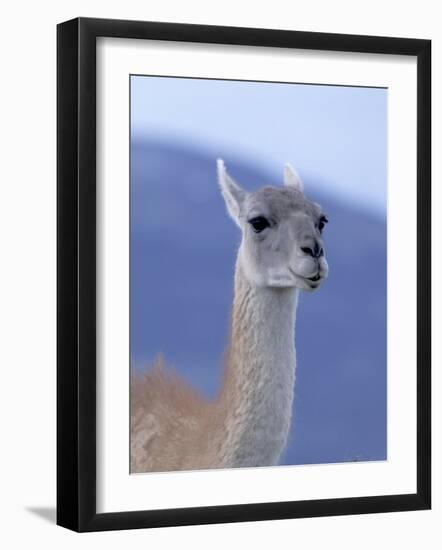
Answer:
(243, 274)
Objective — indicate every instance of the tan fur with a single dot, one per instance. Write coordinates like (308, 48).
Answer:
(167, 417)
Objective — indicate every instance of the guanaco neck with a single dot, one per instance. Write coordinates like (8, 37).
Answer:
(257, 394)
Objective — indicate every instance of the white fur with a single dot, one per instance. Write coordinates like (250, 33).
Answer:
(270, 267)
(292, 179)
(262, 364)
(232, 193)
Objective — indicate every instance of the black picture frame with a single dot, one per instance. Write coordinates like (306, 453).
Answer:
(77, 288)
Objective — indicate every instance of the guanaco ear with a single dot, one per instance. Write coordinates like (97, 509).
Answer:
(231, 191)
(291, 178)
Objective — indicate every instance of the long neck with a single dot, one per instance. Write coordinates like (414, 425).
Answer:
(257, 393)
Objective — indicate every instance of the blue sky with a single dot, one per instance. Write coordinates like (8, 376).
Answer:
(335, 136)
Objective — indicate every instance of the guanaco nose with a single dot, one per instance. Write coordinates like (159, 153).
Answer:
(314, 250)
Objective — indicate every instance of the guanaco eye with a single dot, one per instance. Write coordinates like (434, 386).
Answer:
(322, 221)
(259, 224)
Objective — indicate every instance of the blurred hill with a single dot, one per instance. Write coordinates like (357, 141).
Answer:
(183, 248)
